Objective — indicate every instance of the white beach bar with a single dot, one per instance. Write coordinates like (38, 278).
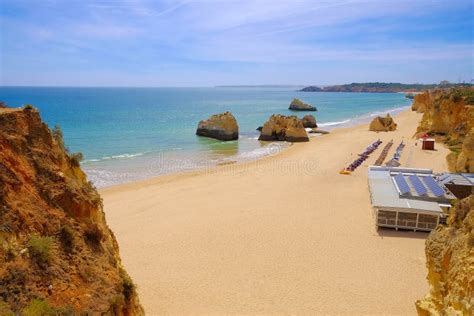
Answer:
(402, 201)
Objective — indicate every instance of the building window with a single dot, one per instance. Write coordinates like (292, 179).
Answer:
(427, 221)
(386, 218)
(406, 219)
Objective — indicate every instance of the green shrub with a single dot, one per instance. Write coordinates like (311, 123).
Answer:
(116, 302)
(5, 309)
(38, 307)
(93, 235)
(58, 135)
(128, 287)
(76, 159)
(28, 107)
(41, 248)
(66, 236)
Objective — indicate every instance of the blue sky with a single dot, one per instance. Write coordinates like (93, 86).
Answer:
(227, 42)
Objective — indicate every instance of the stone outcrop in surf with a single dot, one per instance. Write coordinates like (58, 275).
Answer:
(383, 124)
(284, 128)
(448, 115)
(57, 254)
(219, 126)
(309, 121)
(450, 262)
(298, 105)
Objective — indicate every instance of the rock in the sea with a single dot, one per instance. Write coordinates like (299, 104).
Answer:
(298, 105)
(383, 124)
(309, 121)
(284, 128)
(219, 126)
(259, 128)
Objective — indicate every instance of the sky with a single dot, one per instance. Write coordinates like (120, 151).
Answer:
(228, 42)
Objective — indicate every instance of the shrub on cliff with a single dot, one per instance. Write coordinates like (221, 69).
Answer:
(93, 235)
(41, 248)
(58, 135)
(5, 309)
(76, 159)
(66, 236)
(38, 307)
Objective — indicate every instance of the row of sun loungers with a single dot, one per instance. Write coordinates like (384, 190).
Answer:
(395, 161)
(383, 154)
(362, 157)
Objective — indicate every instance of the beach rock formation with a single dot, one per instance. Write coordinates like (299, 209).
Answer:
(309, 121)
(420, 102)
(465, 160)
(219, 126)
(57, 254)
(383, 124)
(450, 262)
(448, 114)
(284, 128)
(298, 105)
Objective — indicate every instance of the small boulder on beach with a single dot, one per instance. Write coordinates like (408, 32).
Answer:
(383, 124)
(309, 121)
(284, 128)
(219, 126)
(298, 105)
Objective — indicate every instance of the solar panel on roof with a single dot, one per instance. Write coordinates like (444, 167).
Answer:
(434, 186)
(444, 176)
(418, 185)
(401, 184)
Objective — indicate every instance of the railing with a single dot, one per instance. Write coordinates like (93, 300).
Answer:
(406, 224)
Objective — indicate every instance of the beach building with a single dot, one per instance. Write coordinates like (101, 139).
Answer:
(427, 143)
(460, 184)
(408, 198)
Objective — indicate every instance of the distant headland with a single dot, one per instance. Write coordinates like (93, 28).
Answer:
(383, 87)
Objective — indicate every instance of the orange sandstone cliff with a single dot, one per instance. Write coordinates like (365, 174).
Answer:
(57, 254)
(449, 116)
(450, 262)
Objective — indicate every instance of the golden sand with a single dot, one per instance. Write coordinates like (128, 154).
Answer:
(286, 234)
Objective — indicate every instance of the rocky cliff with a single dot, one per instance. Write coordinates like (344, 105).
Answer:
(449, 116)
(57, 254)
(450, 263)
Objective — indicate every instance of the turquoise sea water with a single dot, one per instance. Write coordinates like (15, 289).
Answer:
(128, 134)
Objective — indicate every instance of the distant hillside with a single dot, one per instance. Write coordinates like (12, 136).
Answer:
(382, 87)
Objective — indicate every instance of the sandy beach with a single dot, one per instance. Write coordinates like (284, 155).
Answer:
(286, 234)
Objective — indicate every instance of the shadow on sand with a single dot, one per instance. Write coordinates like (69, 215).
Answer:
(392, 233)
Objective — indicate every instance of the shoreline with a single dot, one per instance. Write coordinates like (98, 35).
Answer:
(285, 234)
(282, 146)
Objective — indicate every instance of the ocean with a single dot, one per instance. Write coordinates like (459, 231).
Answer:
(129, 134)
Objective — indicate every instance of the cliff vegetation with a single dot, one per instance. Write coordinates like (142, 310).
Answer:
(448, 115)
(57, 254)
(450, 262)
